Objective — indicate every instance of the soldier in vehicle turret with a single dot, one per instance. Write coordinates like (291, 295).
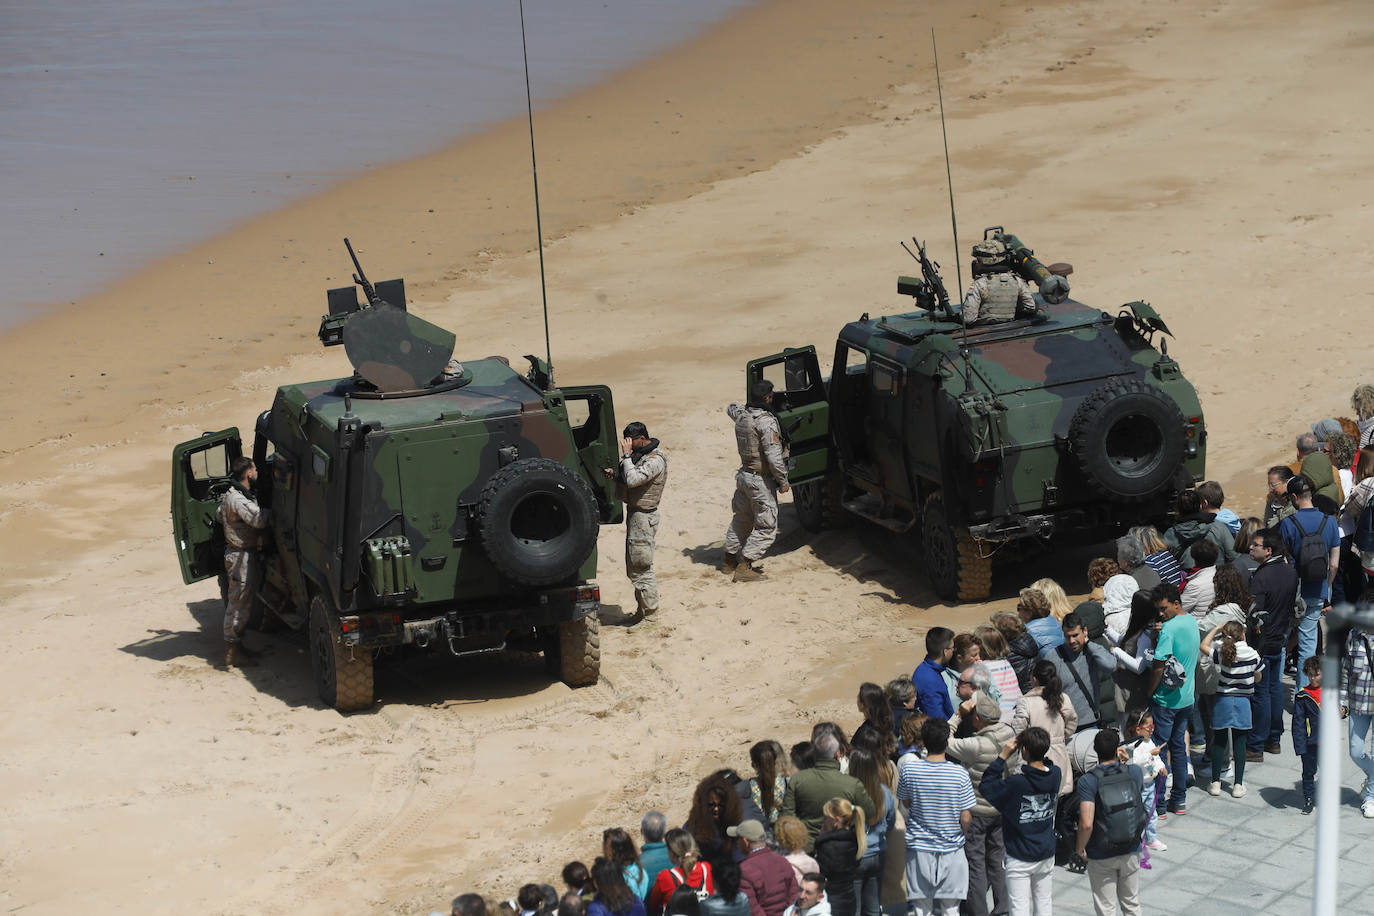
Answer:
(642, 475)
(762, 475)
(243, 520)
(997, 293)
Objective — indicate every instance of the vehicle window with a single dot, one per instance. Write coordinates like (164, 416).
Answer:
(210, 463)
(855, 361)
(883, 379)
(579, 412)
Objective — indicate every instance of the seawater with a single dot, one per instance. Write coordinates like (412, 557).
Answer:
(133, 126)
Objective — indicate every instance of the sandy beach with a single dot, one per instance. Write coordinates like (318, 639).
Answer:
(742, 193)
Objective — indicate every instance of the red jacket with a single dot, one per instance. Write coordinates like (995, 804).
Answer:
(669, 879)
(769, 882)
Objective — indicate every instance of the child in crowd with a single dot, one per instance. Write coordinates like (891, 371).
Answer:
(792, 837)
(909, 740)
(1307, 706)
(1239, 670)
(1140, 749)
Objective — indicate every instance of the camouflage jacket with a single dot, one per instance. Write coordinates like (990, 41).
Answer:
(242, 518)
(759, 439)
(978, 295)
(643, 478)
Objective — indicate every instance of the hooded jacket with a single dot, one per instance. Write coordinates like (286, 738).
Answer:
(1307, 712)
(1196, 527)
(1026, 801)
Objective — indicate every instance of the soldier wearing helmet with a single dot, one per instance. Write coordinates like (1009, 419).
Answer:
(997, 293)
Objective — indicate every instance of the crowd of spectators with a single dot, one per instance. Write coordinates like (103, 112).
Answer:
(1065, 732)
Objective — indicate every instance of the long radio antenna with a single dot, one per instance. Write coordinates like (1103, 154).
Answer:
(949, 179)
(534, 169)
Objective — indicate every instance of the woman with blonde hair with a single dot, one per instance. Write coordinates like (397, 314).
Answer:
(839, 847)
(994, 650)
(1158, 556)
(1362, 402)
(1034, 608)
(688, 869)
(866, 768)
(1060, 605)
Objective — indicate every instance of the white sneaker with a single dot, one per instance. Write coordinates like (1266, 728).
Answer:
(1214, 789)
(1367, 809)
(1239, 792)
(1157, 846)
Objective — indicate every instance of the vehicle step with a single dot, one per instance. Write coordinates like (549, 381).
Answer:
(871, 508)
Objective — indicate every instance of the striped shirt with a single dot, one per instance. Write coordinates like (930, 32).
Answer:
(939, 791)
(1167, 567)
(1238, 678)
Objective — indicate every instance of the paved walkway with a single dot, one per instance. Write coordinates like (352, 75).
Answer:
(1250, 855)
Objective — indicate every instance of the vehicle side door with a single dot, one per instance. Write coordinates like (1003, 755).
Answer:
(799, 400)
(886, 418)
(591, 415)
(200, 475)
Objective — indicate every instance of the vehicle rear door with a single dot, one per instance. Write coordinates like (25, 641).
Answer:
(200, 475)
(799, 401)
(591, 415)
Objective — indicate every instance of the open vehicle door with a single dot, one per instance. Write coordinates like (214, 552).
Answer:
(799, 400)
(591, 414)
(200, 475)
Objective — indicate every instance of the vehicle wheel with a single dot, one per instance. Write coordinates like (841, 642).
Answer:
(343, 674)
(538, 520)
(819, 503)
(954, 560)
(579, 651)
(1129, 438)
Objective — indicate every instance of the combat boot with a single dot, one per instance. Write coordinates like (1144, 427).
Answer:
(729, 563)
(748, 572)
(234, 657)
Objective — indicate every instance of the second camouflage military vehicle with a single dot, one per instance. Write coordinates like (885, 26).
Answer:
(1065, 427)
(418, 504)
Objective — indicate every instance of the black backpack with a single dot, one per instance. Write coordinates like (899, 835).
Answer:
(1364, 528)
(1313, 559)
(1119, 815)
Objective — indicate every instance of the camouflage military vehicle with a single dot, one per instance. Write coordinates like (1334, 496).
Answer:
(1065, 427)
(419, 504)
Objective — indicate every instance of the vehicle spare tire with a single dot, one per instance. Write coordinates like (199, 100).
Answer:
(538, 521)
(1129, 439)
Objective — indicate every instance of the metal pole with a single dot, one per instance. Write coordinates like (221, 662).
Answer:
(1339, 621)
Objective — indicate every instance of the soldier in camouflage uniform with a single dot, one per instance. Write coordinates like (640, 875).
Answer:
(997, 294)
(243, 521)
(642, 475)
(761, 476)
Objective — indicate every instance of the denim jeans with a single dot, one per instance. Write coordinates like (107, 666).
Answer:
(1171, 732)
(1360, 733)
(868, 884)
(1307, 635)
(1266, 703)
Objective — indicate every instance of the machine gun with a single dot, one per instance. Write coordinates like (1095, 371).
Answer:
(1052, 281)
(929, 291)
(343, 301)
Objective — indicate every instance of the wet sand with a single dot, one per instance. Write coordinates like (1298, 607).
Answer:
(741, 194)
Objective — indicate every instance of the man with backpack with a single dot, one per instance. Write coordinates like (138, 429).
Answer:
(1111, 819)
(1313, 540)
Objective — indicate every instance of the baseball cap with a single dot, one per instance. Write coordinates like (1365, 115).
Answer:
(988, 709)
(751, 830)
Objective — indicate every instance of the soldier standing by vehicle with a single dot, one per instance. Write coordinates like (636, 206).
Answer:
(243, 520)
(762, 475)
(642, 475)
(997, 293)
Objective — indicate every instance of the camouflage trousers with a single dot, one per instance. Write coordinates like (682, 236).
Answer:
(242, 567)
(754, 527)
(641, 529)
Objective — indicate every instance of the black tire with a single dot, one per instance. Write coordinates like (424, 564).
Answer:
(538, 520)
(579, 651)
(343, 674)
(955, 562)
(1129, 439)
(819, 503)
